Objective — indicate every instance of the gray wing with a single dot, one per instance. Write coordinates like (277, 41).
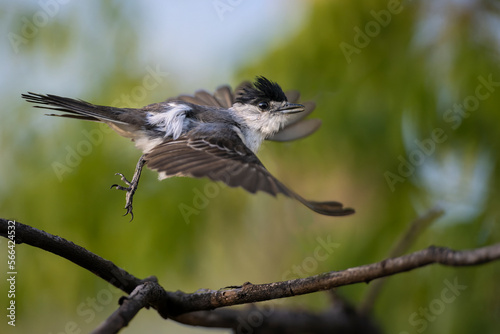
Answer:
(297, 127)
(227, 160)
(223, 97)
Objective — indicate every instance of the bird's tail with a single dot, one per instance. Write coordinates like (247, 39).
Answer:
(328, 208)
(78, 109)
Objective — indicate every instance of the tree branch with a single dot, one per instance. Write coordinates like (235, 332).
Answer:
(267, 319)
(142, 296)
(181, 302)
(176, 304)
(105, 269)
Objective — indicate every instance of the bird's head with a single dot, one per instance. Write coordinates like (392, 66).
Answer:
(263, 106)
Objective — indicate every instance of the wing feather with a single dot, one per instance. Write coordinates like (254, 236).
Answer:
(292, 96)
(224, 96)
(206, 98)
(227, 160)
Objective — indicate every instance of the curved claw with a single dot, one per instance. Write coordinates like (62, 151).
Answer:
(119, 187)
(129, 210)
(130, 193)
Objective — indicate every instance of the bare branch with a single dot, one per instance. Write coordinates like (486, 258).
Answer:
(175, 305)
(181, 302)
(105, 269)
(141, 297)
(267, 319)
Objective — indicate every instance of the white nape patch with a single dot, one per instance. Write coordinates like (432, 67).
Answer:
(171, 121)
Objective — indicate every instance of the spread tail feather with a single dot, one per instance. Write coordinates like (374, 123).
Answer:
(75, 108)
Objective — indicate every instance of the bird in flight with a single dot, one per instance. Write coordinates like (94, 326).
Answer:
(206, 135)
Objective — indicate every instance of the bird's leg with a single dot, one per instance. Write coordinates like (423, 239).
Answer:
(132, 186)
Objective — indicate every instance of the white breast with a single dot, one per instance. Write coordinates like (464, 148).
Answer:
(252, 139)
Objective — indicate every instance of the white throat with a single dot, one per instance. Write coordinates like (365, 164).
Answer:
(257, 126)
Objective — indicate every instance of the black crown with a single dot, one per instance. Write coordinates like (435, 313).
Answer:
(262, 90)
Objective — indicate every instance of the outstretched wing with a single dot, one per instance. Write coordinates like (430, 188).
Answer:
(228, 160)
(297, 127)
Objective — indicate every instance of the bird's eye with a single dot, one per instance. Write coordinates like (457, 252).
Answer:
(263, 105)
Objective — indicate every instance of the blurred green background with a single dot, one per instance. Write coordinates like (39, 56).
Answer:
(408, 93)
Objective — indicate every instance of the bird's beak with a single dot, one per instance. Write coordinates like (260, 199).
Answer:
(291, 108)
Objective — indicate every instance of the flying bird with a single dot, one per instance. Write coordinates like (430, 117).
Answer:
(206, 135)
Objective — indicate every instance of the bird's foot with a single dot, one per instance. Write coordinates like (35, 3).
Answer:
(132, 186)
(127, 182)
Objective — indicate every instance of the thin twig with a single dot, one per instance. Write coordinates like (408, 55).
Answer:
(412, 233)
